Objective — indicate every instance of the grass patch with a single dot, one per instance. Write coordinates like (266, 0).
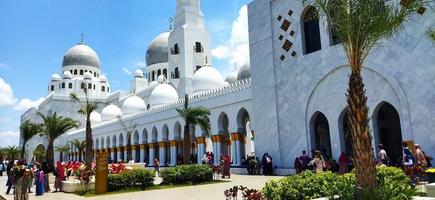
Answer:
(154, 187)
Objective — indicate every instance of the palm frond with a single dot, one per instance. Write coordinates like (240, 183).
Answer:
(74, 98)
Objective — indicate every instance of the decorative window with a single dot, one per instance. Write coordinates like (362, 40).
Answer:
(89, 86)
(63, 85)
(159, 72)
(165, 73)
(311, 39)
(175, 50)
(52, 88)
(281, 37)
(287, 45)
(103, 89)
(177, 73)
(279, 18)
(198, 47)
(70, 85)
(81, 72)
(75, 72)
(285, 25)
(108, 89)
(282, 57)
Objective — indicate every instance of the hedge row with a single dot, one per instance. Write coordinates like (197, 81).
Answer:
(392, 184)
(136, 178)
(187, 174)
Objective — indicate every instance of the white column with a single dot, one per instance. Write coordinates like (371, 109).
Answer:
(173, 145)
(151, 155)
(112, 155)
(201, 152)
(233, 153)
(238, 152)
(119, 155)
(217, 149)
(162, 153)
(133, 154)
(125, 154)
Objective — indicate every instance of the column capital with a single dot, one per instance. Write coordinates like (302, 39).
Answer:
(200, 140)
(162, 144)
(119, 148)
(173, 143)
(235, 136)
(216, 138)
(142, 146)
(152, 145)
(133, 147)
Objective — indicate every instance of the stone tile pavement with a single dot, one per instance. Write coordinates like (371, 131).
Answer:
(201, 192)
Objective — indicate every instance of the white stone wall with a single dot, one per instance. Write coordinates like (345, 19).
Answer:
(400, 72)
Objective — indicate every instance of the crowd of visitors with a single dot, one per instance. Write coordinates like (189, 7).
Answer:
(318, 163)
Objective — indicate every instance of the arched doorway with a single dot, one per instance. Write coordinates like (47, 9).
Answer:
(115, 149)
(137, 147)
(320, 137)
(145, 143)
(39, 154)
(388, 131)
(345, 136)
(311, 30)
(244, 128)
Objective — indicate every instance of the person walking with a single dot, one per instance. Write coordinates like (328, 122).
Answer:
(9, 173)
(318, 162)
(60, 176)
(304, 160)
(267, 165)
(39, 181)
(2, 167)
(421, 163)
(46, 170)
(156, 165)
(382, 156)
(22, 180)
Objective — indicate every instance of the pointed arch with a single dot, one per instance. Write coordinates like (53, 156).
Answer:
(310, 30)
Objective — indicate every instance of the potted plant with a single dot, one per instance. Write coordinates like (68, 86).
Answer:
(431, 175)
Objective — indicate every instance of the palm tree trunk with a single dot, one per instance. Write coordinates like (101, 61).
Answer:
(61, 156)
(49, 157)
(186, 145)
(357, 110)
(23, 150)
(129, 154)
(89, 144)
(80, 155)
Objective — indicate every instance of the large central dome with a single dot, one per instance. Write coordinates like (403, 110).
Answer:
(81, 55)
(157, 52)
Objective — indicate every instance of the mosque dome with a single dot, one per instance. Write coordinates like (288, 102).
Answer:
(81, 54)
(158, 50)
(207, 78)
(110, 112)
(67, 75)
(133, 104)
(55, 77)
(163, 93)
(244, 72)
(138, 73)
(232, 77)
(88, 75)
(95, 117)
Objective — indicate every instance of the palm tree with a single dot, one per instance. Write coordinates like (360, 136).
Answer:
(431, 34)
(80, 145)
(361, 25)
(192, 116)
(129, 130)
(86, 109)
(28, 130)
(12, 152)
(54, 126)
(61, 150)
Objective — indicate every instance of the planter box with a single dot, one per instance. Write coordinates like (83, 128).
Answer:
(75, 186)
(430, 189)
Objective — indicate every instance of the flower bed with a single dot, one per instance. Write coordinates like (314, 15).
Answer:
(187, 174)
(392, 184)
(136, 178)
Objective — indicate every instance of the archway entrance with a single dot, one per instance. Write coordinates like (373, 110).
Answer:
(39, 153)
(345, 136)
(320, 134)
(389, 133)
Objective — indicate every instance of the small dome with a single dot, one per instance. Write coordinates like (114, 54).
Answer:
(133, 104)
(138, 73)
(157, 51)
(95, 117)
(55, 77)
(163, 93)
(232, 77)
(244, 72)
(81, 55)
(226, 84)
(110, 112)
(67, 75)
(87, 75)
(103, 78)
(206, 78)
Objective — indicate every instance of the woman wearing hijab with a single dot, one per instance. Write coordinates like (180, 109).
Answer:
(60, 177)
(39, 181)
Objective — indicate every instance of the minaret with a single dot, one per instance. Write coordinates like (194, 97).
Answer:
(189, 45)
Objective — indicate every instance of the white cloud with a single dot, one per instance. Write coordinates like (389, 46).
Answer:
(236, 49)
(6, 94)
(25, 104)
(9, 138)
(3, 65)
(128, 72)
(5, 120)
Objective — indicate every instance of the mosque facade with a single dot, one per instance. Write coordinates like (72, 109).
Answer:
(291, 97)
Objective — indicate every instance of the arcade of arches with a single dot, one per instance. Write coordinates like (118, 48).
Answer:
(235, 143)
(386, 131)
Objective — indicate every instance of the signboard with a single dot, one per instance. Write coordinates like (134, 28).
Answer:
(101, 173)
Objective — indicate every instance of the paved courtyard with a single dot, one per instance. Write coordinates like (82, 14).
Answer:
(209, 192)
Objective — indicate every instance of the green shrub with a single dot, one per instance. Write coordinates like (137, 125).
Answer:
(136, 178)
(392, 184)
(187, 174)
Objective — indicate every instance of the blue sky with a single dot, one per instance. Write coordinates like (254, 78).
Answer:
(35, 34)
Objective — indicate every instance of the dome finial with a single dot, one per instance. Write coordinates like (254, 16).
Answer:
(82, 36)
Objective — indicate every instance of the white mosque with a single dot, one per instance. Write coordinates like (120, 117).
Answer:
(294, 101)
